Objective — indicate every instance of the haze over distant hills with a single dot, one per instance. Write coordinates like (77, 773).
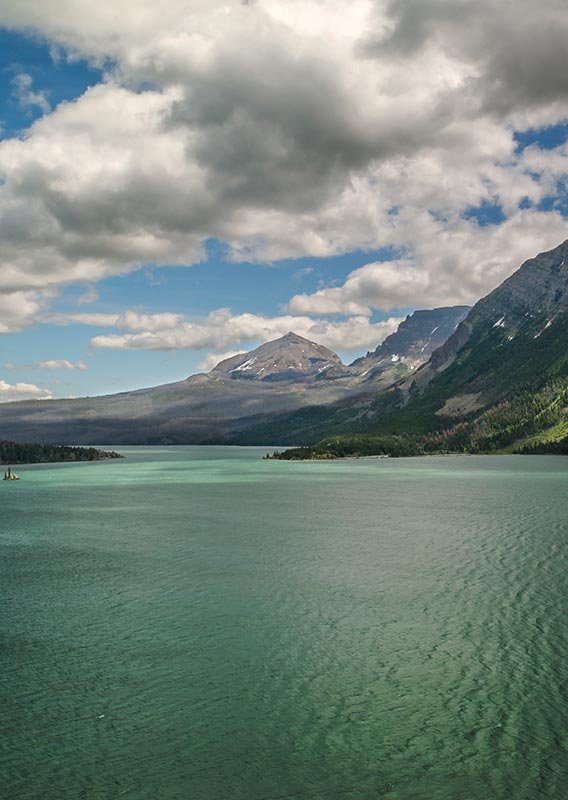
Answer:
(493, 378)
(245, 390)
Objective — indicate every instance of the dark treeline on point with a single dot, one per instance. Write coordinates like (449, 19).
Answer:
(13, 453)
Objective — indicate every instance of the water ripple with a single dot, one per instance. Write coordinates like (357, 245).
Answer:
(252, 630)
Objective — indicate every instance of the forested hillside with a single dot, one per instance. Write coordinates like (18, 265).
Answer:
(499, 384)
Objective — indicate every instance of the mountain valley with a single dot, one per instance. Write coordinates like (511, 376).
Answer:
(240, 392)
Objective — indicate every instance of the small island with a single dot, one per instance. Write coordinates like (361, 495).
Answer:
(14, 453)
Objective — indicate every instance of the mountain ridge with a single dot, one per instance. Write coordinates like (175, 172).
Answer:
(499, 383)
(286, 374)
(291, 357)
(415, 339)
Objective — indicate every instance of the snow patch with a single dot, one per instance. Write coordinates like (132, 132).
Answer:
(247, 365)
(548, 324)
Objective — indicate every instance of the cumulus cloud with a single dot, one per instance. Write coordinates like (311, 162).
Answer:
(82, 193)
(286, 129)
(20, 309)
(454, 264)
(513, 51)
(10, 392)
(212, 359)
(222, 329)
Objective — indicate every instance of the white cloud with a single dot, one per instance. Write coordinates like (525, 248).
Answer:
(212, 359)
(221, 329)
(20, 309)
(26, 96)
(450, 264)
(286, 128)
(22, 391)
(90, 295)
(59, 217)
(128, 321)
(302, 273)
(95, 319)
(59, 363)
(152, 323)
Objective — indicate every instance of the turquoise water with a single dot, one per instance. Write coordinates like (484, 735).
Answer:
(197, 623)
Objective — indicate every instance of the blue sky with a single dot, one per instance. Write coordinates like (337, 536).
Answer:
(175, 186)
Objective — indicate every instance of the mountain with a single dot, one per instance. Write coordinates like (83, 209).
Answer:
(202, 409)
(533, 300)
(415, 340)
(241, 392)
(499, 383)
(293, 358)
(279, 376)
(290, 358)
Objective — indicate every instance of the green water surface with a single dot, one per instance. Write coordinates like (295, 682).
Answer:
(200, 624)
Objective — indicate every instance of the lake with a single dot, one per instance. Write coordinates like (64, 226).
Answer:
(197, 623)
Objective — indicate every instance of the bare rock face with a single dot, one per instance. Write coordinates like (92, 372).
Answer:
(506, 324)
(538, 287)
(415, 340)
(534, 296)
(289, 358)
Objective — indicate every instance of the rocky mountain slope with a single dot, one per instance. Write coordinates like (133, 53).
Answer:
(531, 301)
(290, 358)
(500, 382)
(415, 340)
(246, 390)
(204, 408)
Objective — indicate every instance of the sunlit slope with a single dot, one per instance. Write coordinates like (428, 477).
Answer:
(499, 383)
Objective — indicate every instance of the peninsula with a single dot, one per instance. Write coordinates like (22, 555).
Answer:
(14, 453)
